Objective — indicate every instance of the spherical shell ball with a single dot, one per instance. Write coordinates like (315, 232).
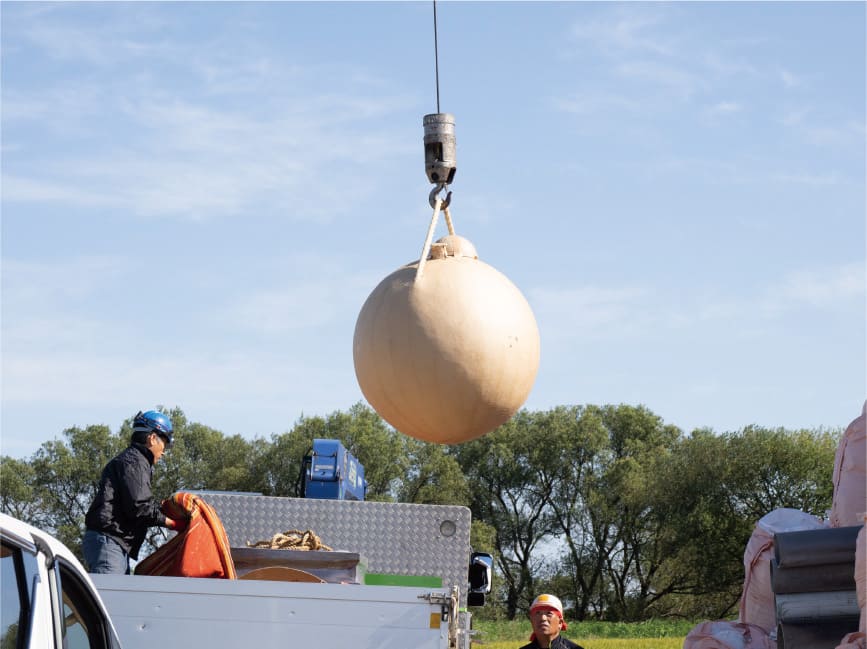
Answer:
(451, 355)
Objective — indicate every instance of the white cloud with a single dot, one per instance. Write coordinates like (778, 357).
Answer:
(59, 34)
(279, 312)
(183, 157)
(829, 289)
(61, 107)
(304, 304)
(630, 312)
(590, 311)
(789, 79)
(65, 42)
(714, 171)
(215, 378)
(32, 284)
(724, 108)
(53, 306)
(823, 131)
(477, 207)
(592, 102)
(847, 134)
(824, 286)
(814, 179)
(728, 65)
(629, 29)
(795, 116)
(17, 189)
(685, 84)
(196, 162)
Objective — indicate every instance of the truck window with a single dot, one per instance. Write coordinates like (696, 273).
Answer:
(16, 579)
(84, 626)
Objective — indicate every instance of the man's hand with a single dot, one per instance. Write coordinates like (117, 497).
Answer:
(177, 524)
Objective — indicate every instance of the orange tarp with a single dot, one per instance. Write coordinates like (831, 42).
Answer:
(201, 550)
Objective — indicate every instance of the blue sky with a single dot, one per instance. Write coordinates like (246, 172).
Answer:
(197, 198)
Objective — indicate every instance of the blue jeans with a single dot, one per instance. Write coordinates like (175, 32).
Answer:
(104, 555)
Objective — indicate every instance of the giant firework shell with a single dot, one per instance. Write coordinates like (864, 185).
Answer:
(448, 354)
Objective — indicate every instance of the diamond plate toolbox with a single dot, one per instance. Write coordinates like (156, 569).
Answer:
(394, 538)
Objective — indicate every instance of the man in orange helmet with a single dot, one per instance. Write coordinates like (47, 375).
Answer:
(546, 616)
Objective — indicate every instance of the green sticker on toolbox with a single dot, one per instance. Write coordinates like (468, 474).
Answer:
(423, 581)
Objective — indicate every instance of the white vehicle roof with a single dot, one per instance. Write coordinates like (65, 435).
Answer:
(25, 532)
(27, 535)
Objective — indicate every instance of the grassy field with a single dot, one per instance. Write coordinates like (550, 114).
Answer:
(655, 634)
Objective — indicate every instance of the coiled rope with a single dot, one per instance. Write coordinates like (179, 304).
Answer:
(292, 540)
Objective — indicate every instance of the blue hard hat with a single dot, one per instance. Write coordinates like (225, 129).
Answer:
(153, 421)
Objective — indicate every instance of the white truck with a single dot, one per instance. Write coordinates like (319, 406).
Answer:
(400, 578)
(48, 600)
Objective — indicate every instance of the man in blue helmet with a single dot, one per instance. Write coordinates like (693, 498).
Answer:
(124, 507)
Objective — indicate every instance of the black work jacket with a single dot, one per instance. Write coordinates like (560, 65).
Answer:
(124, 507)
(557, 643)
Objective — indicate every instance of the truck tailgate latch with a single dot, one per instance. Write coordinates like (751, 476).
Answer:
(443, 599)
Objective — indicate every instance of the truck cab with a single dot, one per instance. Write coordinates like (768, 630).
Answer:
(48, 599)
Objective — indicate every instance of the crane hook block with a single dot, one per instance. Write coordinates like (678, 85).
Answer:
(439, 148)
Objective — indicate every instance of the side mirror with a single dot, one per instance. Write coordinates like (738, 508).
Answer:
(480, 572)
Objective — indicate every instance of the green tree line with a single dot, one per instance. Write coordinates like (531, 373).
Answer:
(625, 517)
